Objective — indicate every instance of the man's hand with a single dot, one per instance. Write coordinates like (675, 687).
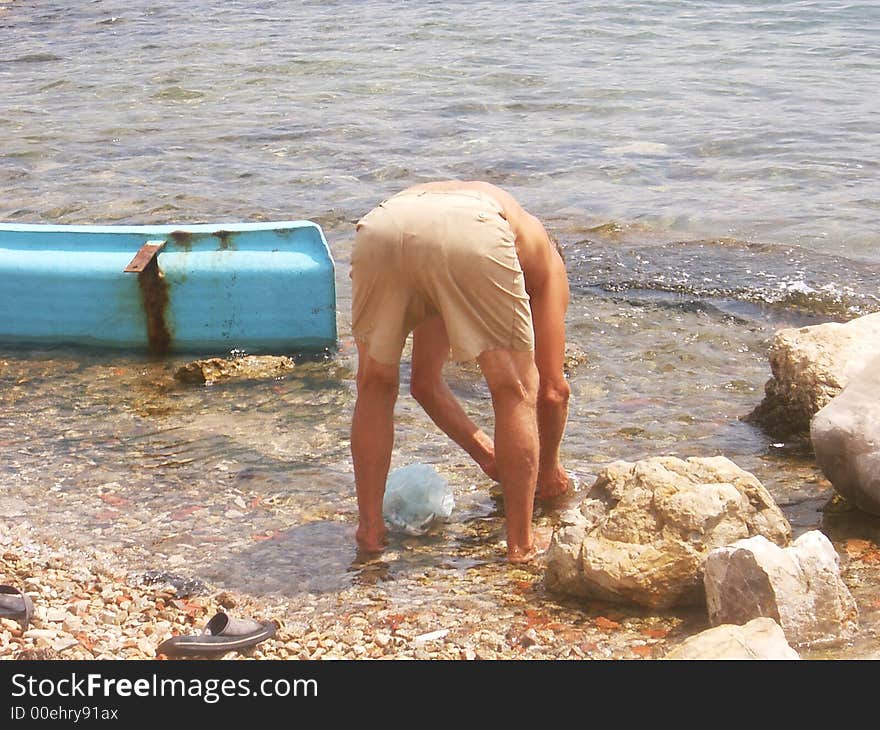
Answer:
(490, 468)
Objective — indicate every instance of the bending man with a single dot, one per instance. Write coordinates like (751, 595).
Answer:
(465, 268)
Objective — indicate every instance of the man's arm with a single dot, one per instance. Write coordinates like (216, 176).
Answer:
(429, 352)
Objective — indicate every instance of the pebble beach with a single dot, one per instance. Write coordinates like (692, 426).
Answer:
(85, 608)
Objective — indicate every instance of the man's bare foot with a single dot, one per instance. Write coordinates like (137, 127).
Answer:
(546, 494)
(554, 485)
(367, 558)
(519, 555)
(369, 543)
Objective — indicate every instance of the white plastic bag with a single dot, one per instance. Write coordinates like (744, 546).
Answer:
(416, 497)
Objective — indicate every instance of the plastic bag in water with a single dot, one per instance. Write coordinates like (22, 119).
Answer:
(415, 497)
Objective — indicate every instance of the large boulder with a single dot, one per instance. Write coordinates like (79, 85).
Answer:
(644, 529)
(799, 587)
(760, 638)
(846, 440)
(810, 366)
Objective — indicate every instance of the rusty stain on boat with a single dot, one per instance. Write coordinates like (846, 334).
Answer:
(154, 296)
(225, 238)
(182, 239)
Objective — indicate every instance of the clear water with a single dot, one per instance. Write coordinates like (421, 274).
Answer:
(710, 168)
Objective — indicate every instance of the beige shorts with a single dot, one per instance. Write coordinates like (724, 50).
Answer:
(420, 254)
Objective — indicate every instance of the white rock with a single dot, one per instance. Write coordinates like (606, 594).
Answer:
(48, 634)
(54, 615)
(78, 608)
(760, 638)
(800, 587)
(812, 365)
(146, 647)
(109, 617)
(846, 440)
(430, 636)
(644, 529)
(72, 623)
(63, 643)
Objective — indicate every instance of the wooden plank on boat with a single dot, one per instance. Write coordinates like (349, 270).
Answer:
(144, 256)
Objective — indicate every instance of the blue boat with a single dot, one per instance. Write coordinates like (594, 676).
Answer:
(206, 288)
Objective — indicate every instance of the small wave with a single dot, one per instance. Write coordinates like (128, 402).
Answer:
(814, 306)
(771, 277)
(33, 58)
(645, 149)
(178, 93)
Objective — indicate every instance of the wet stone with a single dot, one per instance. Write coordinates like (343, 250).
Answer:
(248, 367)
(182, 586)
(226, 600)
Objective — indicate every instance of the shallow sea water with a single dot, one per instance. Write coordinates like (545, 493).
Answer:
(248, 485)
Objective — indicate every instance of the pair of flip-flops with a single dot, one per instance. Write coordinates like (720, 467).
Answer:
(17, 605)
(220, 635)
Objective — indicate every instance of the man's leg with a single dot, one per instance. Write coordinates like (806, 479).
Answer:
(428, 387)
(513, 382)
(372, 438)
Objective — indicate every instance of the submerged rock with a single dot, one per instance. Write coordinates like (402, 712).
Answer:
(760, 638)
(846, 440)
(182, 586)
(810, 366)
(248, 367)
(644, 529)
(799, 586)
(574, 358)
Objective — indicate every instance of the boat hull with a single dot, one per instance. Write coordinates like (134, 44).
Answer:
(255, 287)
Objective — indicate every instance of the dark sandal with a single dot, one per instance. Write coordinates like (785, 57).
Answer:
(16, 605)
(221, 634)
